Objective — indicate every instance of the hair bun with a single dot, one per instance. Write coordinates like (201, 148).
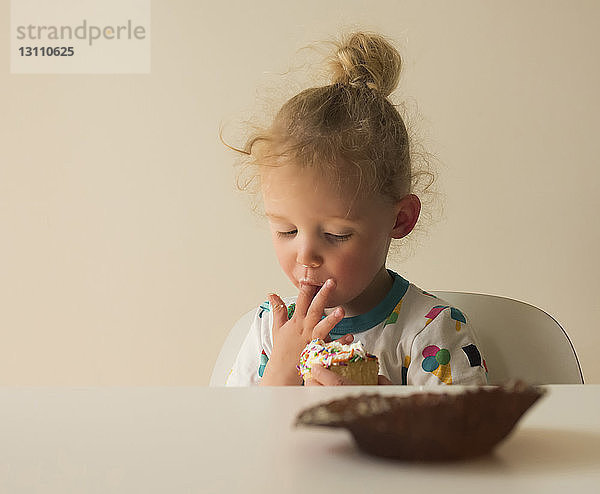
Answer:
(369, 59)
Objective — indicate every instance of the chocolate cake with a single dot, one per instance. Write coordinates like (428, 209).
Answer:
(427, 426)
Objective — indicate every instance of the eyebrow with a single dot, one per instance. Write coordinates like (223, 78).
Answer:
(343, 218)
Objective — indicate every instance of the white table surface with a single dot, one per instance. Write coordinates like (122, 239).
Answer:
(197, 439)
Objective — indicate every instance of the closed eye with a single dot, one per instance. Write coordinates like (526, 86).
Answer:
(338, 238)
(330, 236)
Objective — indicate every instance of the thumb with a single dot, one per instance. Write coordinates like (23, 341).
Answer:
(312, 382)
(328, 378)
(279, 311)
(381, 379)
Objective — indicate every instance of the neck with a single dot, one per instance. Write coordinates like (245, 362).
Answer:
(372, 295)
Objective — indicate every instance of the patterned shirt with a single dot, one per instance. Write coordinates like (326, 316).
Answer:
(418, 338)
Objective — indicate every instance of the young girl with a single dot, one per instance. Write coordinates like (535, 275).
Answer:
(335, 177)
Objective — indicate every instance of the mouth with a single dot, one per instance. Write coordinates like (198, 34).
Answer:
(318, 284)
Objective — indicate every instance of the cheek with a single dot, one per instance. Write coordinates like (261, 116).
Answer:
(284, 254)
(362, 261)
(367, 253)
(350, 262)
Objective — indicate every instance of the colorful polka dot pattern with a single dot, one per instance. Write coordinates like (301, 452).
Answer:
(405, 369)
(455, 315)
(393, 317)
(291, 309)
(458, 316)
(263, 363)
(434, 312)
(437, 361)
(266, 306)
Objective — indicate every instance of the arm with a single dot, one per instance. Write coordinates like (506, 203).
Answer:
(446, 351)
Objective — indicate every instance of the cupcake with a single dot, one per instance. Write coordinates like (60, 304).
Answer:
(349, 361)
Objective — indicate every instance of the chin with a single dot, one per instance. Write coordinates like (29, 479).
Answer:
(338, 301)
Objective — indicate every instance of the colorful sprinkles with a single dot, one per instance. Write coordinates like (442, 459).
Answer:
(328, 354)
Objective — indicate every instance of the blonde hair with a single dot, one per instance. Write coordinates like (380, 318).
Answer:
(348, 128)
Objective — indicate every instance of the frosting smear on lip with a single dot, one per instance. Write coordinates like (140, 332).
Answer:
(317, 352)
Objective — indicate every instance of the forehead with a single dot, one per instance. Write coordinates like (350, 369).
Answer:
(289, 190)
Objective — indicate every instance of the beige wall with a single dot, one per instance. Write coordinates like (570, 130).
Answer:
(126, 254)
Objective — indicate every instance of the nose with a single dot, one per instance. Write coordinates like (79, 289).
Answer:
(308, 257)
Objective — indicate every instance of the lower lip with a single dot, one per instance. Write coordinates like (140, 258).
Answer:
(302, 283)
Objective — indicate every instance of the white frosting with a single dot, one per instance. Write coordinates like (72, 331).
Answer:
(328, 354)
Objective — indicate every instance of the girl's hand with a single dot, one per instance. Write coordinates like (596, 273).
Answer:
(291, 336)
(324, 377)
(384, 381)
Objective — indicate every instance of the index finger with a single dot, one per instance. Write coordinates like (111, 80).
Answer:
(305, 297)
(319, 302)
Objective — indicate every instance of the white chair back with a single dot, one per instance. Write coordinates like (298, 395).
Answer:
(518, 340)
(230, 349)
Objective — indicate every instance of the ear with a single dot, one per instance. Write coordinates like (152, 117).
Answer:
(409, 208)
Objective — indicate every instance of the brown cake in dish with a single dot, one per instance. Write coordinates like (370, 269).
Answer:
(427, 426)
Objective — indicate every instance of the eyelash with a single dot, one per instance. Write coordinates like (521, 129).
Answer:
(331, 236)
